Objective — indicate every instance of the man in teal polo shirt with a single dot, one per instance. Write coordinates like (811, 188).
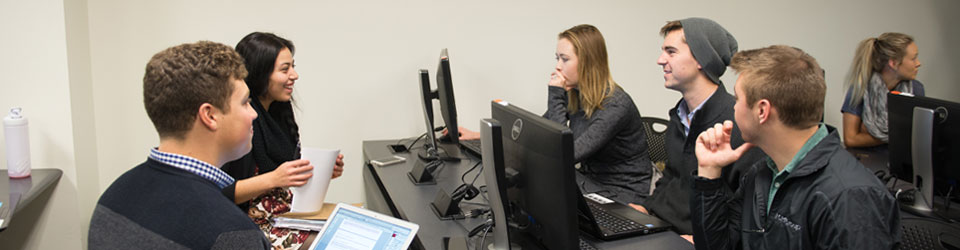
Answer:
(809, 193)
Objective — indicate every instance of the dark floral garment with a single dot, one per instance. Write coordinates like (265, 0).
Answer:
(267, 206)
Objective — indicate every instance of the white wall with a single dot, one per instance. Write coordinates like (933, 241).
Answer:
(35, 76)
(358, 60)
(358, 63)
(81, 105)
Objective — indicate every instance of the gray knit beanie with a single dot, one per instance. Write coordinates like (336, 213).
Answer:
(711, 45)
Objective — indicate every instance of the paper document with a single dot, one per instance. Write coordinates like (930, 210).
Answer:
(300, 224)
(309, 197)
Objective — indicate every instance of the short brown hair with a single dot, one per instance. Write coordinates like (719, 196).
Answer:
(181, 78)
(671, 26)
(789, 78)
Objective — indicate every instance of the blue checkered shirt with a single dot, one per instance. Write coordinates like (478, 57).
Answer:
(192, 165)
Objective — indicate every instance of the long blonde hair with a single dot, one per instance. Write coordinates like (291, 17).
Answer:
(595, 82)
(871, 56)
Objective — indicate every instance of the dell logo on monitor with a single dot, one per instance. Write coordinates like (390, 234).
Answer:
(517, 128)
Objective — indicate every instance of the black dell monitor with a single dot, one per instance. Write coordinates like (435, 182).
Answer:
(430, 156)
(541, 192)
(924, 145)
(426, 99)
(422, 171)
(448, 106)
(494, 174)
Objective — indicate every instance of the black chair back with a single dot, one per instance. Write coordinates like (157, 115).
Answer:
(655, 128)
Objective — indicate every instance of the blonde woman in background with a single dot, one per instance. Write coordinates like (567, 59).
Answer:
(882, 64)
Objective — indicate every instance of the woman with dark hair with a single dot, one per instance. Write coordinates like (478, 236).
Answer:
(273, 163)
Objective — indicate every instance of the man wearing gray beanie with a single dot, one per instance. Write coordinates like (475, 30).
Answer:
(695, 53)
(711, 45)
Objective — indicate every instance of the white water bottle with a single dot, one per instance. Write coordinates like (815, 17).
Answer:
(18, 144)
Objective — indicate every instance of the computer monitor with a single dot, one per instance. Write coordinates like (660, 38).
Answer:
(495, 176)
(443, 93)
(448, 105)
(541, 193)
(924, 145)
(422, 171)
(426, 97)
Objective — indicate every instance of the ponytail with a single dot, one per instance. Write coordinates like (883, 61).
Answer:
(858, 78)
(871, 56)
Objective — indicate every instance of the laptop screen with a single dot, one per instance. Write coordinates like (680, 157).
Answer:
(349, 229)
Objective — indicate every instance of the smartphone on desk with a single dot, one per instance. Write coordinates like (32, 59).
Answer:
(387, 161)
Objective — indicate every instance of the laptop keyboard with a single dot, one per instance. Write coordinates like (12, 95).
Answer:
(473, 146)
(611, 223)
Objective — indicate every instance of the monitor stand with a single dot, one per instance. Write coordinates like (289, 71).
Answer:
(452, 151)
(922, 151)
(444, 151)
(940, 211)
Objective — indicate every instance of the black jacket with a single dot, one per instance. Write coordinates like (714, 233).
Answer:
(829, 201)
(671, 199)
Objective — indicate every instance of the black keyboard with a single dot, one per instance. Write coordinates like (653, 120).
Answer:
(472, 146)
(925, 233)
(584, 245)
(915, 237)
(612, 223)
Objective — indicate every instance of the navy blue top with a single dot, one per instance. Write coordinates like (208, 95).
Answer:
(858, 110)
(160, 206)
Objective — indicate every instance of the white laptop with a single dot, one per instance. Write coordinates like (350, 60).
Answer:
(352, 228)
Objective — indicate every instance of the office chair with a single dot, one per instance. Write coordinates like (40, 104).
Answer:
(655, 146)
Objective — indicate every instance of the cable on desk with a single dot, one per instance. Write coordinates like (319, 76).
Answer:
(466, 190)
(414, 141)
(434, 166)
(441, 128)
(480, 245)
(462, 177)
(947, 199)
(484, 227)
(483, 193)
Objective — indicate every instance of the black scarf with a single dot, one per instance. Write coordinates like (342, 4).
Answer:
(275, 141)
